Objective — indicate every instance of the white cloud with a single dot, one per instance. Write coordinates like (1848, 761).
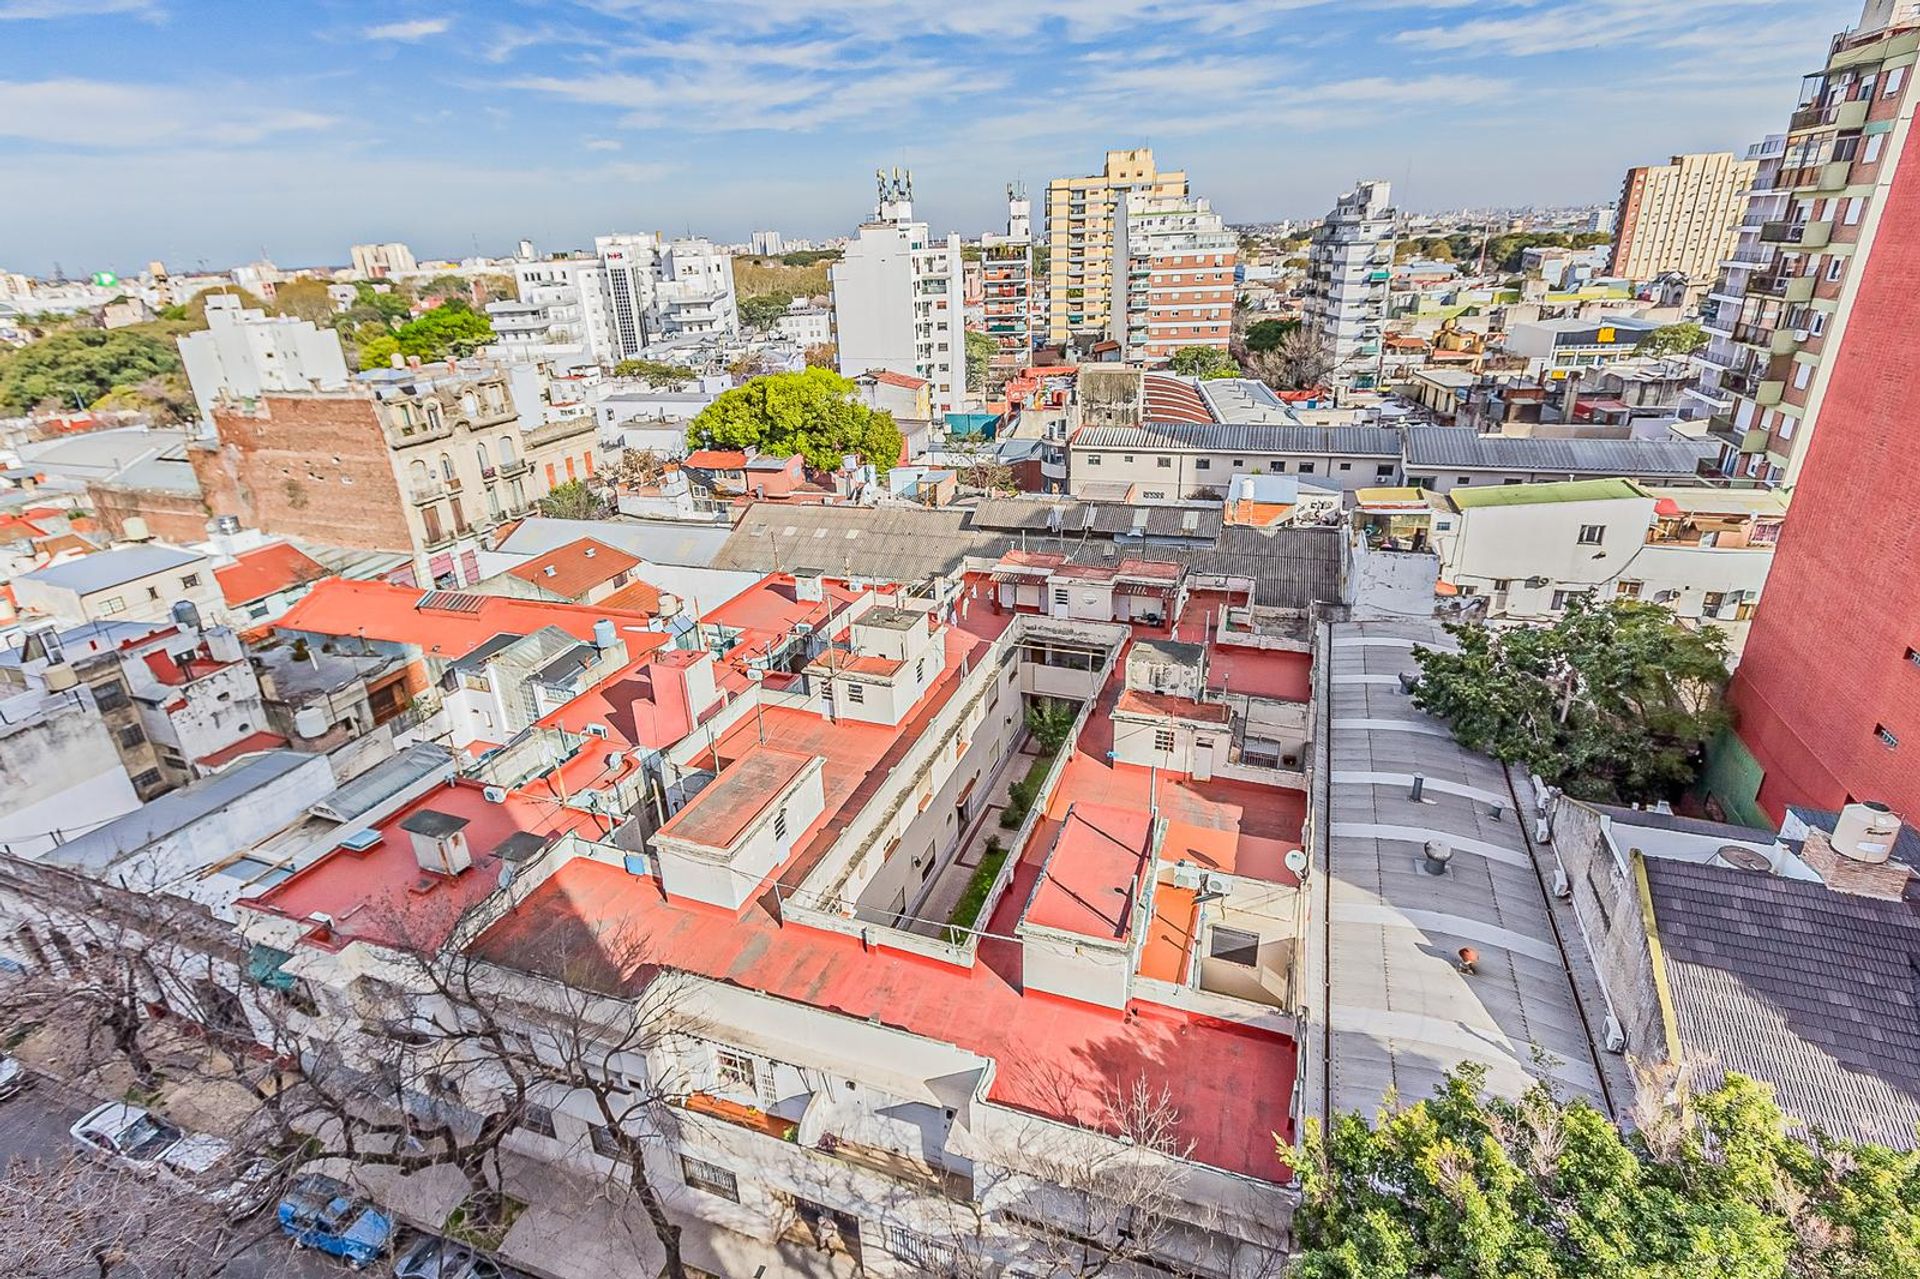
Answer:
(601, 144)
(96, 113)
(23, 10)
(409, 32)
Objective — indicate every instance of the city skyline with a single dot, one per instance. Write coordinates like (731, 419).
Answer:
(464, 129)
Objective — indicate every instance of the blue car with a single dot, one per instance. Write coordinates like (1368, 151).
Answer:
(325, 1214)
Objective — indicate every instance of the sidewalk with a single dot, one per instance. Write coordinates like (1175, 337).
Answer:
(197, 1090)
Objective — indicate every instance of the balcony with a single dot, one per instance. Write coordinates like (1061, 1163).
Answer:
(434, 490)
(1808, 235)
(1792, 289)
(514, 466)
(1840, 115)
(1760, 335)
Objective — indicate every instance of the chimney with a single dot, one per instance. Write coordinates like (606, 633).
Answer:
(397, 360)
(439, 841)
(589, 552)
(807, 585)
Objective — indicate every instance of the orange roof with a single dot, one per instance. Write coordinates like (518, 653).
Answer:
(261, 572)
(716, 816)
(1092, 873)
(446, 624)
(576, 568)
(1164, 705)
(717, 459)
(15, 529)
(635, 597)
(251, 744)
(906, 381)
(839, 659)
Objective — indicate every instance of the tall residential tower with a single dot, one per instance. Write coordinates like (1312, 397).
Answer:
(1681, 217)
(1080, 218)
(896, 298)
(1349, 271)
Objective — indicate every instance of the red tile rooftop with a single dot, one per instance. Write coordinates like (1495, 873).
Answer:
(248, 745)
(267, 570)
(576, 568)
(716, 459)
(1091, 875)
(634, 597)
(383, 896)
(392, 614)
(1164, 705)
(730, 802)
(611, 931)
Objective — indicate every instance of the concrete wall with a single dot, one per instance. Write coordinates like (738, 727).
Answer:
(1191, 474)
(1606, 901)
(59, 772)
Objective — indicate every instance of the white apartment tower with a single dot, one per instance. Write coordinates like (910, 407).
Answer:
(633, 290)
(1006, 280)
(382, 261)
(1349, 270)
(243, 354)
(1172, 284)
(897, 297)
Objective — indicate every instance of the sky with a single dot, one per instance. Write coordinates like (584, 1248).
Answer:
(208, 131)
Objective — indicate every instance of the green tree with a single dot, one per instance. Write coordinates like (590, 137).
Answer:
(1050, 722)
(1203, 362)
(305, 300)
(452, 328)
(197, 304)
(1671, 339)
(394, 303)
(656, 373)
(74, 367)
(1613, 702)
(980, 352)
(1466, 1186)
(762, 309)
(572, 501)
(1266, 335)
(378, 352)
(815, 413)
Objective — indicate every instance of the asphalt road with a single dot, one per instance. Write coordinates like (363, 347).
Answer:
(33, 1125)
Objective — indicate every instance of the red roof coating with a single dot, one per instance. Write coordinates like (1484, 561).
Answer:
(383, 896)
(839, 659)
(1093, 872)
(577, 567)
(906, 381)
(635, 597)
(266, 570)
(1167, 398)
(1136, 702)
(386, 612)
(15, 529)
(731, 801)
(717, 459)
(251, 744)
(176, 672)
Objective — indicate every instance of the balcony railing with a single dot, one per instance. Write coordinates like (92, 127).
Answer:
(1812, 235)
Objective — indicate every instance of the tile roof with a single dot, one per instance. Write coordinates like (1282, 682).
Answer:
(1457, 448)
(381, 611)
(1255, 438)
(267, 570)
(904, 380)
(572, 570)
(1805, 988)
(717, 459)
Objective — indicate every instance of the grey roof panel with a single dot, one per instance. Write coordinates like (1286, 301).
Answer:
(1227, 437)
(1461, 449)
(104, 569)
(656, 541)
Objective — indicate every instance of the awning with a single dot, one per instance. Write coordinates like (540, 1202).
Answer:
(265, 967)
(1143, 588)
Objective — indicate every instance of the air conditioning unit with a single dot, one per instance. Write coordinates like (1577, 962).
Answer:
(1616, 1036)
(1562, 886)
(495, 794)
(596, 730)
(615, 759)
(1802, 335)
(1537, 583)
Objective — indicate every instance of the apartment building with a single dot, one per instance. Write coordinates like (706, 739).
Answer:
(1524, 550)
(1170, 461)
(244, 353)
(1080, 230)
(1006, 287)
(896, 299)
(128, 584)
(604, 307)
(60, 767)
(1827, 703)
(1172, 283)
(766, 841)
(422, 460)
(383, 261)
(1682, 217)
(1349, 277)
(1724, 310)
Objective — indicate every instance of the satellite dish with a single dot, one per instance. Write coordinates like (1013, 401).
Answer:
(1297, 861)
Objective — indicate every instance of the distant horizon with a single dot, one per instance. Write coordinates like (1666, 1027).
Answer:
(461, 131)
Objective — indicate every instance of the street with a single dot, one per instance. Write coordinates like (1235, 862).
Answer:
(33, 1125)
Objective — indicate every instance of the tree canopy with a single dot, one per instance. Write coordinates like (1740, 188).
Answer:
(1463, 1186)
(1671, 339)
(1613, 702)
(305, 299)
(815, 413)
(1265, 335)
(452, 328)
(657, 373)
(980, 352)
(83, 363)
(762, 309)
(1203, 362)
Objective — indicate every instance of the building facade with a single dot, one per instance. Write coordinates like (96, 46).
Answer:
(1006, 286)
(1349, 278)
(1172, 285)
(1827, 698)
(383, 261)
(896, 299)
(1080, 226)
(1681, 217)
(242, 354)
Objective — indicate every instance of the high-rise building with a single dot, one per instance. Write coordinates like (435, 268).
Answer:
(382, 261)
(608, 306)
(1006, 283)
(243, 354)
(896, 298)
(1681, 217)
(1173, 282)
(1828, 688)
(1349, 270)
(1080, 215)
(767, 243)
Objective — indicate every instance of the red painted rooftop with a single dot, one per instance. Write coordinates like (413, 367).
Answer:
(1092, 872)
(450, 625)
(1165, 705)
(718, 814)
(266, 570)
(577, 567)
(251, 744)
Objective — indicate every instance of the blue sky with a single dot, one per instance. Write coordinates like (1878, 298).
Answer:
(192, 130)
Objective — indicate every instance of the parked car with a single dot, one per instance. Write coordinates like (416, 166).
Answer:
(325, 1214)
(142, 1142)
(13, 1076)
(430, 1257)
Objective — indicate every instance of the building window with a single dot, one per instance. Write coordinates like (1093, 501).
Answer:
(1384, 470)
(1502, 583)
(1592, 534)
(711, 1178)
(1628, 590)
(189, 580)
(856, 693)
(604, 1143)
(1913, 655)
(131, 735)
(1896, 76)
(1346, 466)
(1836, 267)
(1163, 739)
(1060, 596)
(1165, 463)
(1203, 464)
(537, 1119)
(780, 826)
(1093, 459)
(1712, 602)
(147, 780)
(1463, 479)
(737, 1071)
(1233, 946)
(1560, 599)
(1306, 468)
(1126, 457)
(110, 696)
(1887, 739)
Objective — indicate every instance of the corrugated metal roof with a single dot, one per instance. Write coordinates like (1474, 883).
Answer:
(104, 569)
(656, 541)
(1229, 437)
(1805, 988)
(1452, 447)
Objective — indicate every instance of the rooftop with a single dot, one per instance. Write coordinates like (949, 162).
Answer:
(574, 569)
(656, 541)
(1546, 494)
(1231, 437)
(730, 803)
(1091, 879)
(266, 570)
(104, 570)
(1450, 447)
(446, 624)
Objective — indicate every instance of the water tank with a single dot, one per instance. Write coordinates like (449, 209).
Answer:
(603, 634)
(135, 530)
(59, 677)
(186, 613)
(669, 604)
(1865, 832)
(310, 721)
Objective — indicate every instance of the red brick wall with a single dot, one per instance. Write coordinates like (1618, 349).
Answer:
(306, 466)
(1826, 661)
(171, 517)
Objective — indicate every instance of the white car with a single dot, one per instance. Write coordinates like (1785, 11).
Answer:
(148, 1144)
